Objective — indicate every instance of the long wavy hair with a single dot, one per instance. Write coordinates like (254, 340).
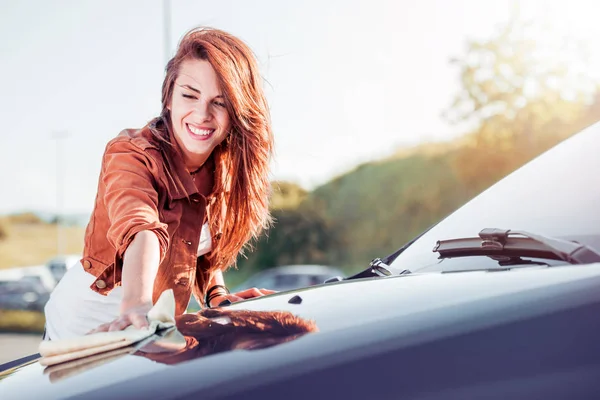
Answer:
(204, 336)
(238, 208)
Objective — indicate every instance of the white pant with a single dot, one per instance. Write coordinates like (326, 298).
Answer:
(74, 308)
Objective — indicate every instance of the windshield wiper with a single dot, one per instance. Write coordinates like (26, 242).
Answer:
(380, 266)
(506, 244)
(377, 268)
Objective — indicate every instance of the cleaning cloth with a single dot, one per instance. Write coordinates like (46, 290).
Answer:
(161, 316)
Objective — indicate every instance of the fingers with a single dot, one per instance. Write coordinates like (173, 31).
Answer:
(119, 324)
(244, 294)
(140, 321)
(219, 300)
(249, 293)
(101, 328)
(254, 292)
(233, 298)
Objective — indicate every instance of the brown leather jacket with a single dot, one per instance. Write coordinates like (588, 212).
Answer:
(135, 193)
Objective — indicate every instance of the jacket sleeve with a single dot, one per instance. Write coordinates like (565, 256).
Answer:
(131, 196)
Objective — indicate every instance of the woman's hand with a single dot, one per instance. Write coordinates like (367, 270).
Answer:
(140, 265)
(244, 294)
(135, 315)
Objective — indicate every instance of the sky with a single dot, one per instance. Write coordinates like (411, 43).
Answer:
(347, 81)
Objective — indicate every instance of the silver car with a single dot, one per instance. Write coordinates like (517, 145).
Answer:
(291, 277)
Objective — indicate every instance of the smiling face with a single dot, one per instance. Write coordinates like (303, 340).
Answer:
(198, 112)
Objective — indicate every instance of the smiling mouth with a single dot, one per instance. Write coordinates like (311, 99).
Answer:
(198, 133)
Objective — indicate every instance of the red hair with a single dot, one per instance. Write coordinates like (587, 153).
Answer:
(205, 336)
(239, 206)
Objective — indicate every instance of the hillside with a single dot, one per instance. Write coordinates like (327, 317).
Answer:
(379, 206)
(365, 213)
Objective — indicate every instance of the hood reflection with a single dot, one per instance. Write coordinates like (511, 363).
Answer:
(201, 334)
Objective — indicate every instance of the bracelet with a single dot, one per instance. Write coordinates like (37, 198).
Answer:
(211, 296)
(214, 296)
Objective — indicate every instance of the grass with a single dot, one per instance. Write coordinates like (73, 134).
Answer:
(35, 243)
(21, 321)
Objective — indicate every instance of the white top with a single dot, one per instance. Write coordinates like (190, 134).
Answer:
(205, 244)
(74, 308)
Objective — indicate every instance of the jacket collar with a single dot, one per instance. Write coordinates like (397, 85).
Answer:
(201, 182)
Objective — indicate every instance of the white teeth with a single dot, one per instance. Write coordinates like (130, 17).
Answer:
(201, 132)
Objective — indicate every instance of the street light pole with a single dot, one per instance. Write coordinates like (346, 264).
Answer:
(60, 190)
(167, 29)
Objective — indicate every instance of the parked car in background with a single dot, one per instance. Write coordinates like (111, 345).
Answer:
(26, 293)
(29, 288)
(38, 272)
(499, 300)
(290, 277)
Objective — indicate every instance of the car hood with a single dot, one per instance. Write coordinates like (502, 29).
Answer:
(412, 306)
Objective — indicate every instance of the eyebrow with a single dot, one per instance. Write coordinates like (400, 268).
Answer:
(193, 89)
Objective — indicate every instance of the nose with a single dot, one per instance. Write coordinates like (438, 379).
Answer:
(202, 111)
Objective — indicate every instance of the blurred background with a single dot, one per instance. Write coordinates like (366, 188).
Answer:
(388, 115)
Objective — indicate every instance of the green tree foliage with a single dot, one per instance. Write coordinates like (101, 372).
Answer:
(286, 195)
(524, 90)
(376, 208)
(300, 235)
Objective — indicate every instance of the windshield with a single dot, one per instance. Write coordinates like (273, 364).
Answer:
(556, 194)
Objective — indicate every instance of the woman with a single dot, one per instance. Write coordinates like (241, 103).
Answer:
(178, 199)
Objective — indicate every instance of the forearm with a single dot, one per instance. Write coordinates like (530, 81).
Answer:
(217, 279)
(140, 266)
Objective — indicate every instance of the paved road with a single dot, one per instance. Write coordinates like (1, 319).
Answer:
(13, 346)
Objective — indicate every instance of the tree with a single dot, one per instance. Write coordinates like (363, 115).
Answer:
(286, 195)
(523, 90)
(300, 236)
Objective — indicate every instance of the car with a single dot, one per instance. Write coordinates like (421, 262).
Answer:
(290, 277)
(26, 293)
(500, 299)
(38, 273)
